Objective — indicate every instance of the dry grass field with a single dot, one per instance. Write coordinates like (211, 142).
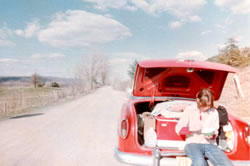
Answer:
(15, 100)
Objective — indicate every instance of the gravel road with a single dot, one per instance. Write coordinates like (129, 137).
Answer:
(77, 133)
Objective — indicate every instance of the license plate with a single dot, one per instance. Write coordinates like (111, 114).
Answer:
(183, 161)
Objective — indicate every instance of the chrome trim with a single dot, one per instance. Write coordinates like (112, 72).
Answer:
(161, 97)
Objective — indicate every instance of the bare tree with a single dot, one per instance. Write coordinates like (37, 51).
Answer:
(92, 71)
(120, 84)
(104, 70)
(246, 52)
(132, 69)
(35, 79)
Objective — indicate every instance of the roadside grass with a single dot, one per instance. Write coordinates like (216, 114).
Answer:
(16, 100)
(5, 91)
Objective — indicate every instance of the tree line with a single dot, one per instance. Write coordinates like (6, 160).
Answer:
(90, 73)
(233, 55)
(37, 83)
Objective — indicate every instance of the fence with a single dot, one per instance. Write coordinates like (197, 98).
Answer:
(19, 102)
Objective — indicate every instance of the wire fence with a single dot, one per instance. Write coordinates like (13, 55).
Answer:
(19, 102)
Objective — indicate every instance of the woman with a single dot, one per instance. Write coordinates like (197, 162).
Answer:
(196, 117)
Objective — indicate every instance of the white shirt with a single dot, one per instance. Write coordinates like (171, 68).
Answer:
(196, 121)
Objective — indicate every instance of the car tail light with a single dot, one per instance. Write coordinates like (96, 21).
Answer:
(247, 134)
(229, 136)
(124, 128)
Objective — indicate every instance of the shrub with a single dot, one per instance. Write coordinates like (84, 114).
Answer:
(41, 84)
(234, 60)
(55, 85)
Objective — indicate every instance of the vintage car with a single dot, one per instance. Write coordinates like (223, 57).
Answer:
(161, 91)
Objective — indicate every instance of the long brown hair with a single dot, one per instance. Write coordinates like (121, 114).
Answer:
(205, 98)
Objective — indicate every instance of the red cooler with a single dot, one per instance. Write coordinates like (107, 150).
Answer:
(166, 135)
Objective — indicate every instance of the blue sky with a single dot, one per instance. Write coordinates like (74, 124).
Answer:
(50, 37)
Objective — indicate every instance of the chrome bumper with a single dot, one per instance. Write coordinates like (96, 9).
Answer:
(241, 163)
(136, 159)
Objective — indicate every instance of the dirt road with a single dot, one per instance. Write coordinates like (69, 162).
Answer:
(78, 133)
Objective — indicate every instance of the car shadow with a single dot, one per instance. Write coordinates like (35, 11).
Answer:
(27, 116)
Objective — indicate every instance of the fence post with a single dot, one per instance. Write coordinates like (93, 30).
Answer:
(23, 101)
(4, 108)
(55, 95)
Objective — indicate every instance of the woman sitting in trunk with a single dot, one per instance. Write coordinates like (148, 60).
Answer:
(194, 120)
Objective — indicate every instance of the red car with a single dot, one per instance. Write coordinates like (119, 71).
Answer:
(161, 91)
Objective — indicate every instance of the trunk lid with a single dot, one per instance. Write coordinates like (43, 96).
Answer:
(175, 78)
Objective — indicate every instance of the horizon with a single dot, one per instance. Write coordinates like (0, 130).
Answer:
(51, 37)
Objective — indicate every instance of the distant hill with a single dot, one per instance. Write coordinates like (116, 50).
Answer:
(14, 78)
(25, 80)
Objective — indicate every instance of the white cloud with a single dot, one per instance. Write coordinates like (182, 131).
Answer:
(178, 8)
(195, 19)
(105, 4)
(206, 32)
(220, 46)
(237, 6)
(224, 27)
(141, 4)
(175, 24)
(77, 28)
(19, 32)
(5, 33)
(7, 60)
(31, 29)
(49, 55)
(6, 43)
(179, 23)
(194, 55)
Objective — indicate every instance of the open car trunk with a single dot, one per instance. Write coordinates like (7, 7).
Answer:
(162, 119)
(156, 125)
